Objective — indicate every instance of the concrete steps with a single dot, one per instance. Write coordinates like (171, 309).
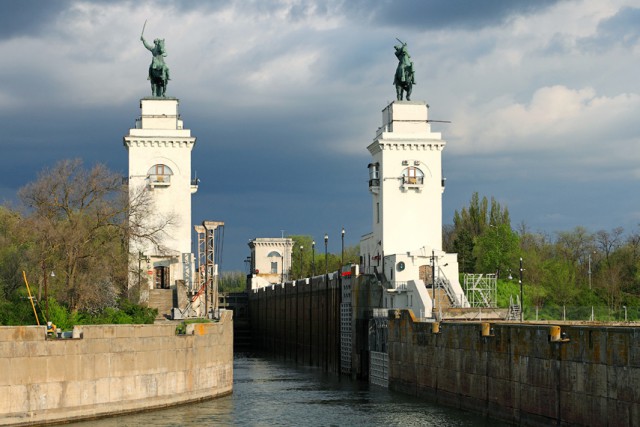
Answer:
(442, 300)
(162, 299)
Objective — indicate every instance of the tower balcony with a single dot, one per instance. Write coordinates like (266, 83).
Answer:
(194, 185)
(159, 180)
(374, 185)
(412, 182)
(416, 181)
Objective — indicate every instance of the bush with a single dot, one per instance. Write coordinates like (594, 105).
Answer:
(19, 312)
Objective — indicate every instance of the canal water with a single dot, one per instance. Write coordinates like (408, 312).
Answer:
(271, 393)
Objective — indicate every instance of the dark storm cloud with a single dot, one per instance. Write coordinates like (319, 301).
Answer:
(620, 29)
(28, 16)
(439, 14)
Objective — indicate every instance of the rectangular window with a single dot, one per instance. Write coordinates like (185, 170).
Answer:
(274, 267)
(378, 213)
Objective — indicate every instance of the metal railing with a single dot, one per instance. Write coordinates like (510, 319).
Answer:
(582, 313)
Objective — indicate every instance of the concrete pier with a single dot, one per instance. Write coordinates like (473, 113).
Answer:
(110, 369)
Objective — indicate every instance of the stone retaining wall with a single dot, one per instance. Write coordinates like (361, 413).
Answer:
(111, 369)
(518, 373)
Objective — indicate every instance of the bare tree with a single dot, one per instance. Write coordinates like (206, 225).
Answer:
(82, 221)
(608, 242)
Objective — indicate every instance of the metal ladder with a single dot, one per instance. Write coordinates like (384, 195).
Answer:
(514, 309)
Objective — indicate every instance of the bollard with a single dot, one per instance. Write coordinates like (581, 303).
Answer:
(556, 335)
(435, 327)
(487, 330)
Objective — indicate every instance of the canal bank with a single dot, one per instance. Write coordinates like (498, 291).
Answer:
(110, 369)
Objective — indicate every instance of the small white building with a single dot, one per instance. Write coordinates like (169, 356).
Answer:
(406, 185)
(159, 149)
(270, 261)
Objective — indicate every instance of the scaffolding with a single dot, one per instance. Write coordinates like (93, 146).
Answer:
(210, 238)
(481, 290)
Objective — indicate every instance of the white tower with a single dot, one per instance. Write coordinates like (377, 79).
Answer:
(406, 184)
(160, 167)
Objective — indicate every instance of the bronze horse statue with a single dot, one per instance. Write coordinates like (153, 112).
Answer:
(158, 70)
(404, 78)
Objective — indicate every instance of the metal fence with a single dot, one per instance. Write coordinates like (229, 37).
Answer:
(583, 313)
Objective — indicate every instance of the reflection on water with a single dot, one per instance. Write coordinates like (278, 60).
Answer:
(270, 393)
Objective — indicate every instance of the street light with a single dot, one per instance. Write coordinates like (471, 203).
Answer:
(521, 296)
(313, 258)
(342, 258)
(326, 259)
(141, 257)
(590, 268)
(46, 289)
(301, 248)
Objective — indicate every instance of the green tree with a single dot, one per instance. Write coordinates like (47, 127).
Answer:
(232, 281)
(560, 281)
(306, 267)
(472, 222)
(497, 249)
(13, 252)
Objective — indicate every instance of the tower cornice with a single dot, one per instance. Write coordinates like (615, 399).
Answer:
(159, 142)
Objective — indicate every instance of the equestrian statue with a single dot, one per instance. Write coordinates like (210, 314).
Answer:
(158, 70)
(405, 76)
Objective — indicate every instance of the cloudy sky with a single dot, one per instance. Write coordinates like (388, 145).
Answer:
(284, 97)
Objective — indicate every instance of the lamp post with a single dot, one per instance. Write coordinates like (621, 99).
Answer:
(326, 259)
(342, 256)
(46, 294)
(521, 295)
(141, 257)
(301, 248)
(589, 272)
(313, 258)
(433, 279)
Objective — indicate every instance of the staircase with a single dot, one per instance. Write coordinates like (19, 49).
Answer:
(442, 300)
(514, 309)
(162, 299)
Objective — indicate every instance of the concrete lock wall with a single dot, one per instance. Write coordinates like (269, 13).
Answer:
(299, 321)
(518, 373)
(111, 369)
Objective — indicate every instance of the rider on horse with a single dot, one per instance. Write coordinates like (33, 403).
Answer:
(404, 78)
(158, 70)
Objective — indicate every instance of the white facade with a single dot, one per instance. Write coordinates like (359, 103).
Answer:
(160, 164)
(270, 261)
(406, 185)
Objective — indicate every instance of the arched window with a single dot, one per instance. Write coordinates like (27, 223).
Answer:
(412, 176)
(274, 262)
(160, 174)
